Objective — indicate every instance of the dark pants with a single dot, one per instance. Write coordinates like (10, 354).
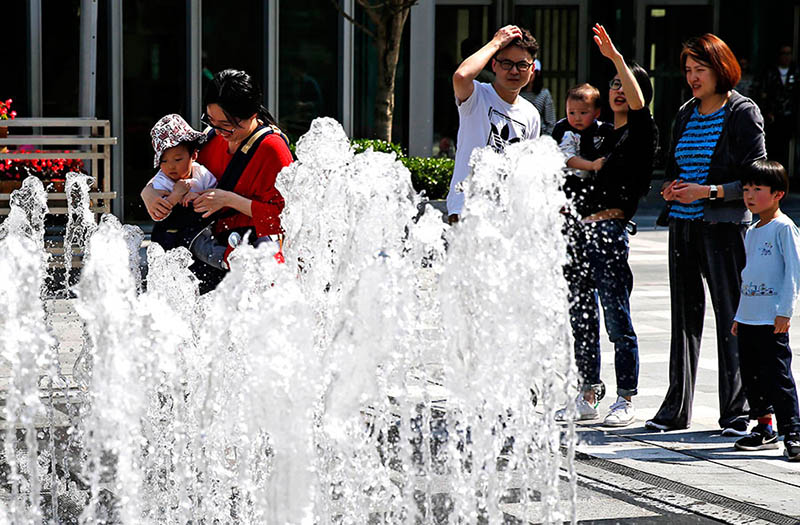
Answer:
(178, 228)
(699, 250)
(598, 268)
(208, 276)
(766, 364)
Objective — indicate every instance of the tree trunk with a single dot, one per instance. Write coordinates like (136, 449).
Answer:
(390, 35)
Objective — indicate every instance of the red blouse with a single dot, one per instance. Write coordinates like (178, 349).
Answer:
(257, 182)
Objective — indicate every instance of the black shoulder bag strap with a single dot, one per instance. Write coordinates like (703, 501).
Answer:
(240, 160)
(229, 179)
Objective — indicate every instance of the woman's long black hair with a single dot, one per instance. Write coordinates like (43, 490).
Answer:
(238, 96)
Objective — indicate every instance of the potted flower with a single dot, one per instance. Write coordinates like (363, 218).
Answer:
(6, 114)
(52, 172)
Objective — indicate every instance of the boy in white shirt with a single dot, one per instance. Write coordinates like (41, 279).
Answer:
(176, 144)
(493, 114)
(770, 288)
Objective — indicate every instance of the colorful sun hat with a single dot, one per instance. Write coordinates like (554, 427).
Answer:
(170, 131)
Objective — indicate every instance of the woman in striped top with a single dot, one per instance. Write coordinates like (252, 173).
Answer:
(693, 156)
(715, 134)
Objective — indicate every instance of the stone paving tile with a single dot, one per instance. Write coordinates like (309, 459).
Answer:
(761, 478)
(651, 320)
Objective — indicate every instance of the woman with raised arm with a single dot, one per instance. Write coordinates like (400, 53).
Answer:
(715, 134)
(598, 241)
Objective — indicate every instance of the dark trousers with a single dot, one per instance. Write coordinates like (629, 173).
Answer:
(598, 269)
(699, 250)
(765, 360)
(178, 228)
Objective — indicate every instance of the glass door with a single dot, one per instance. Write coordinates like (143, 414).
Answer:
(666, 28)
(461, 30)
(556, 30)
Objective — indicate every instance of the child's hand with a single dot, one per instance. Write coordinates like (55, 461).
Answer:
(781, 324)
(189, 197)
(735, 328)
(598, 164)
(182, 186)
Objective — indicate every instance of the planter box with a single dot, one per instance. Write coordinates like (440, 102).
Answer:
(7, 186)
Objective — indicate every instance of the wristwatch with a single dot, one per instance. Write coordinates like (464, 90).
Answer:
(712, 193)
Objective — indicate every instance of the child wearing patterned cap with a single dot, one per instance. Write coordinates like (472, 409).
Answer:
(176, 144)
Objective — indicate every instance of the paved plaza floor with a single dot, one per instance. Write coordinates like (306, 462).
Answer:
(633, 475)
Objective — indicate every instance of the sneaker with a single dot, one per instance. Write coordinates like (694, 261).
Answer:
(736, 428)
(585, 410)
(621, 413)
(791, 447)
(652, 424)
(761, 438)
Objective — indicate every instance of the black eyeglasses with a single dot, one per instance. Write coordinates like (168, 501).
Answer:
(615, 84)
(522, 65)
(205, 119)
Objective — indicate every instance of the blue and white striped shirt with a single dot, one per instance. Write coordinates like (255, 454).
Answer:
(693, 156)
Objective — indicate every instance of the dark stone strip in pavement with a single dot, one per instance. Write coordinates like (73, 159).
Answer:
(667, 506)
(700, 454)
(686, 490)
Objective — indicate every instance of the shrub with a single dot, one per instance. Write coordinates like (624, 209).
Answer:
(431, 175)
(362, 145)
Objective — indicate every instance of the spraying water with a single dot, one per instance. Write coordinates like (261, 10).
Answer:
(382, 375)
(25, 348)
(80, 219)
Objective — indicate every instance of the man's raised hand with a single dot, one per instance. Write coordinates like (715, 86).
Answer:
(506, 35)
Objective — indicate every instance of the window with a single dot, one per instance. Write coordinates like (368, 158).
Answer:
(365, 85)
(666, 30)
(15, 65)
(154, 39)
(556, 30)
(308, 86)
(460, 31)
(232, 39)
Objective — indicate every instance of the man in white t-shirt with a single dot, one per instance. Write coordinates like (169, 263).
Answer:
(493, 114)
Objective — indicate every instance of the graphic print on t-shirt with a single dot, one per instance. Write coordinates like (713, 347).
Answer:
(504, 130)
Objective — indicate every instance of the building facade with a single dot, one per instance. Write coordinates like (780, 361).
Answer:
(154, 57)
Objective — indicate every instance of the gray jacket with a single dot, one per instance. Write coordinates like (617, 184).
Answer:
(740, 143)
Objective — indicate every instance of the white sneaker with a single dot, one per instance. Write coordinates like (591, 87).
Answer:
(584, 410)
(621, 413)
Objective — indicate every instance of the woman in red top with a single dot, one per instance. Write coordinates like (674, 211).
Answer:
(245, 133)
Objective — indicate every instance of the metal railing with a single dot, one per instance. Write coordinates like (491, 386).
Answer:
(92, 133)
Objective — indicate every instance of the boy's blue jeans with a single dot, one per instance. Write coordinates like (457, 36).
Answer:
(765, 361)
(598, 269)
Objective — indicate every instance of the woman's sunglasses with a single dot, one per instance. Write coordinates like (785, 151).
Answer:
(207, 121)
